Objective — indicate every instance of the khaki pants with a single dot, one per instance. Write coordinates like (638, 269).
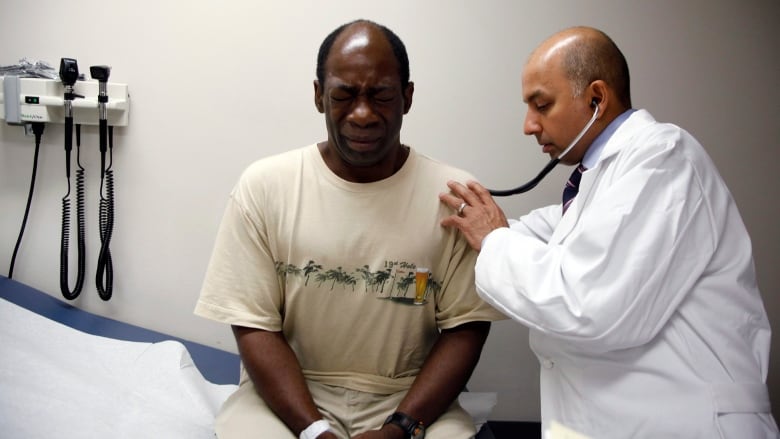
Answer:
(349, 412)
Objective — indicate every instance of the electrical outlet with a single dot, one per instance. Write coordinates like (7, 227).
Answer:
(42, 100)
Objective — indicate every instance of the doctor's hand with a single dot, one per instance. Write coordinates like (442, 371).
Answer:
(476, 213)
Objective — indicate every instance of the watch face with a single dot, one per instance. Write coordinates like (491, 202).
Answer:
(418, 432)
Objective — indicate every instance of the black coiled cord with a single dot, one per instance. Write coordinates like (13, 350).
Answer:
(104, 278)
(37, 128)
(81, 232)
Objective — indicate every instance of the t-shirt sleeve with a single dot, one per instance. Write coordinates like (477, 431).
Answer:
(241, 286)
(458, 302)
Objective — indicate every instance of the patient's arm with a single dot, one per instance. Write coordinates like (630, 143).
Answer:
(444, 374)
(276, 373)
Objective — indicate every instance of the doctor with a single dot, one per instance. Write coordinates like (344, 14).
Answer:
(639, 292)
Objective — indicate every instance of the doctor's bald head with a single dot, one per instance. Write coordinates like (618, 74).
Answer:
(587, 55)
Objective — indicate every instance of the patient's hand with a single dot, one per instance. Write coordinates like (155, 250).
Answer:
(387, 432)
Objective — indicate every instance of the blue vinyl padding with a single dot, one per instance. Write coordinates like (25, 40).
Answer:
(217, 366)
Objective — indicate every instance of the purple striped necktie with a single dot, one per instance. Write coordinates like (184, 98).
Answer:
(572, 186)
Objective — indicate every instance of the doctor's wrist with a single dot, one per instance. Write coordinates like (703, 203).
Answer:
(490, 233)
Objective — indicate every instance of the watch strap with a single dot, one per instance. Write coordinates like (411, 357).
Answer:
(411, 426)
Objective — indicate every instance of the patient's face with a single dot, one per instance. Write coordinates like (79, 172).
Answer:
(362, 98)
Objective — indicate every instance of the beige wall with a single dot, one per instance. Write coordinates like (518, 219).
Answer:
(215, 85)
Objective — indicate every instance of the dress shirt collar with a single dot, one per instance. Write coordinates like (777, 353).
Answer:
(593, 153)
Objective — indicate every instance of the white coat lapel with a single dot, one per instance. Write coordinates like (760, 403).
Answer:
(591, 176)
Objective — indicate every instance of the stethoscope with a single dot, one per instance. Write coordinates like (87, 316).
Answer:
(551, 164)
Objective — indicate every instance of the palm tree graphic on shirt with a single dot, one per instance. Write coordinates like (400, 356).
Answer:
(394, 277)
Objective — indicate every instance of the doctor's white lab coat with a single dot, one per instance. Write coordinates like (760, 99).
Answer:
(641, 300)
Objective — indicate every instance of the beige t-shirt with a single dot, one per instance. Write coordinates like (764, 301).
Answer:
(325, 261)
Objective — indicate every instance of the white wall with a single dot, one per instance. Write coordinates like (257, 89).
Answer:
(216, 85)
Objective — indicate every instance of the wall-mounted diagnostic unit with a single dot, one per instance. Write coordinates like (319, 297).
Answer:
(33, 102)
(26, 100)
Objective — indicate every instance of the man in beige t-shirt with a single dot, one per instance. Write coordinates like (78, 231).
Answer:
(319, 261)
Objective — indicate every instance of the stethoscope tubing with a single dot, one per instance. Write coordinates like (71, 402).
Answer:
(548, 167)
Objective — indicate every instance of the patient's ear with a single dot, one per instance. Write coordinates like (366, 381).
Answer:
(318, 96)
(408, 93)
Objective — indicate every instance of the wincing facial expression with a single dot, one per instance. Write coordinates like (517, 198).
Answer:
(362, 98)
(555, 116)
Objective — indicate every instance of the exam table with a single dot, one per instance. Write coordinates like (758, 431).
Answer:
(65, 372)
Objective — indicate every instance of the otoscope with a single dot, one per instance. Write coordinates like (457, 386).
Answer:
(105, 267)
(69, 73)
(551, 164)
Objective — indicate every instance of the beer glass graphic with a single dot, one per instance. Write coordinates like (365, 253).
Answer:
(421, 285)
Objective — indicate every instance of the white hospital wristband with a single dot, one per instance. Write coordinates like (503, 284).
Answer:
(315, 429)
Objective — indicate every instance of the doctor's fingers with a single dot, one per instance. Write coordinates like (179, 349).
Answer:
(481, 192)
(472, 226)
(451, 201)
(472, 193)
(464, 193)
(482, 205)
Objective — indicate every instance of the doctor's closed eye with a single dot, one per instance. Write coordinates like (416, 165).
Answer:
(541, 106)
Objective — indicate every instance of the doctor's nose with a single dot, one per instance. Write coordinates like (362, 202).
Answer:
(531, 125)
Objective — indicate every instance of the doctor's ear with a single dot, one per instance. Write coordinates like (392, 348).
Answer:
(598, 92)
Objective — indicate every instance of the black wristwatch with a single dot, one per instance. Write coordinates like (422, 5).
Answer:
(415, 429)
